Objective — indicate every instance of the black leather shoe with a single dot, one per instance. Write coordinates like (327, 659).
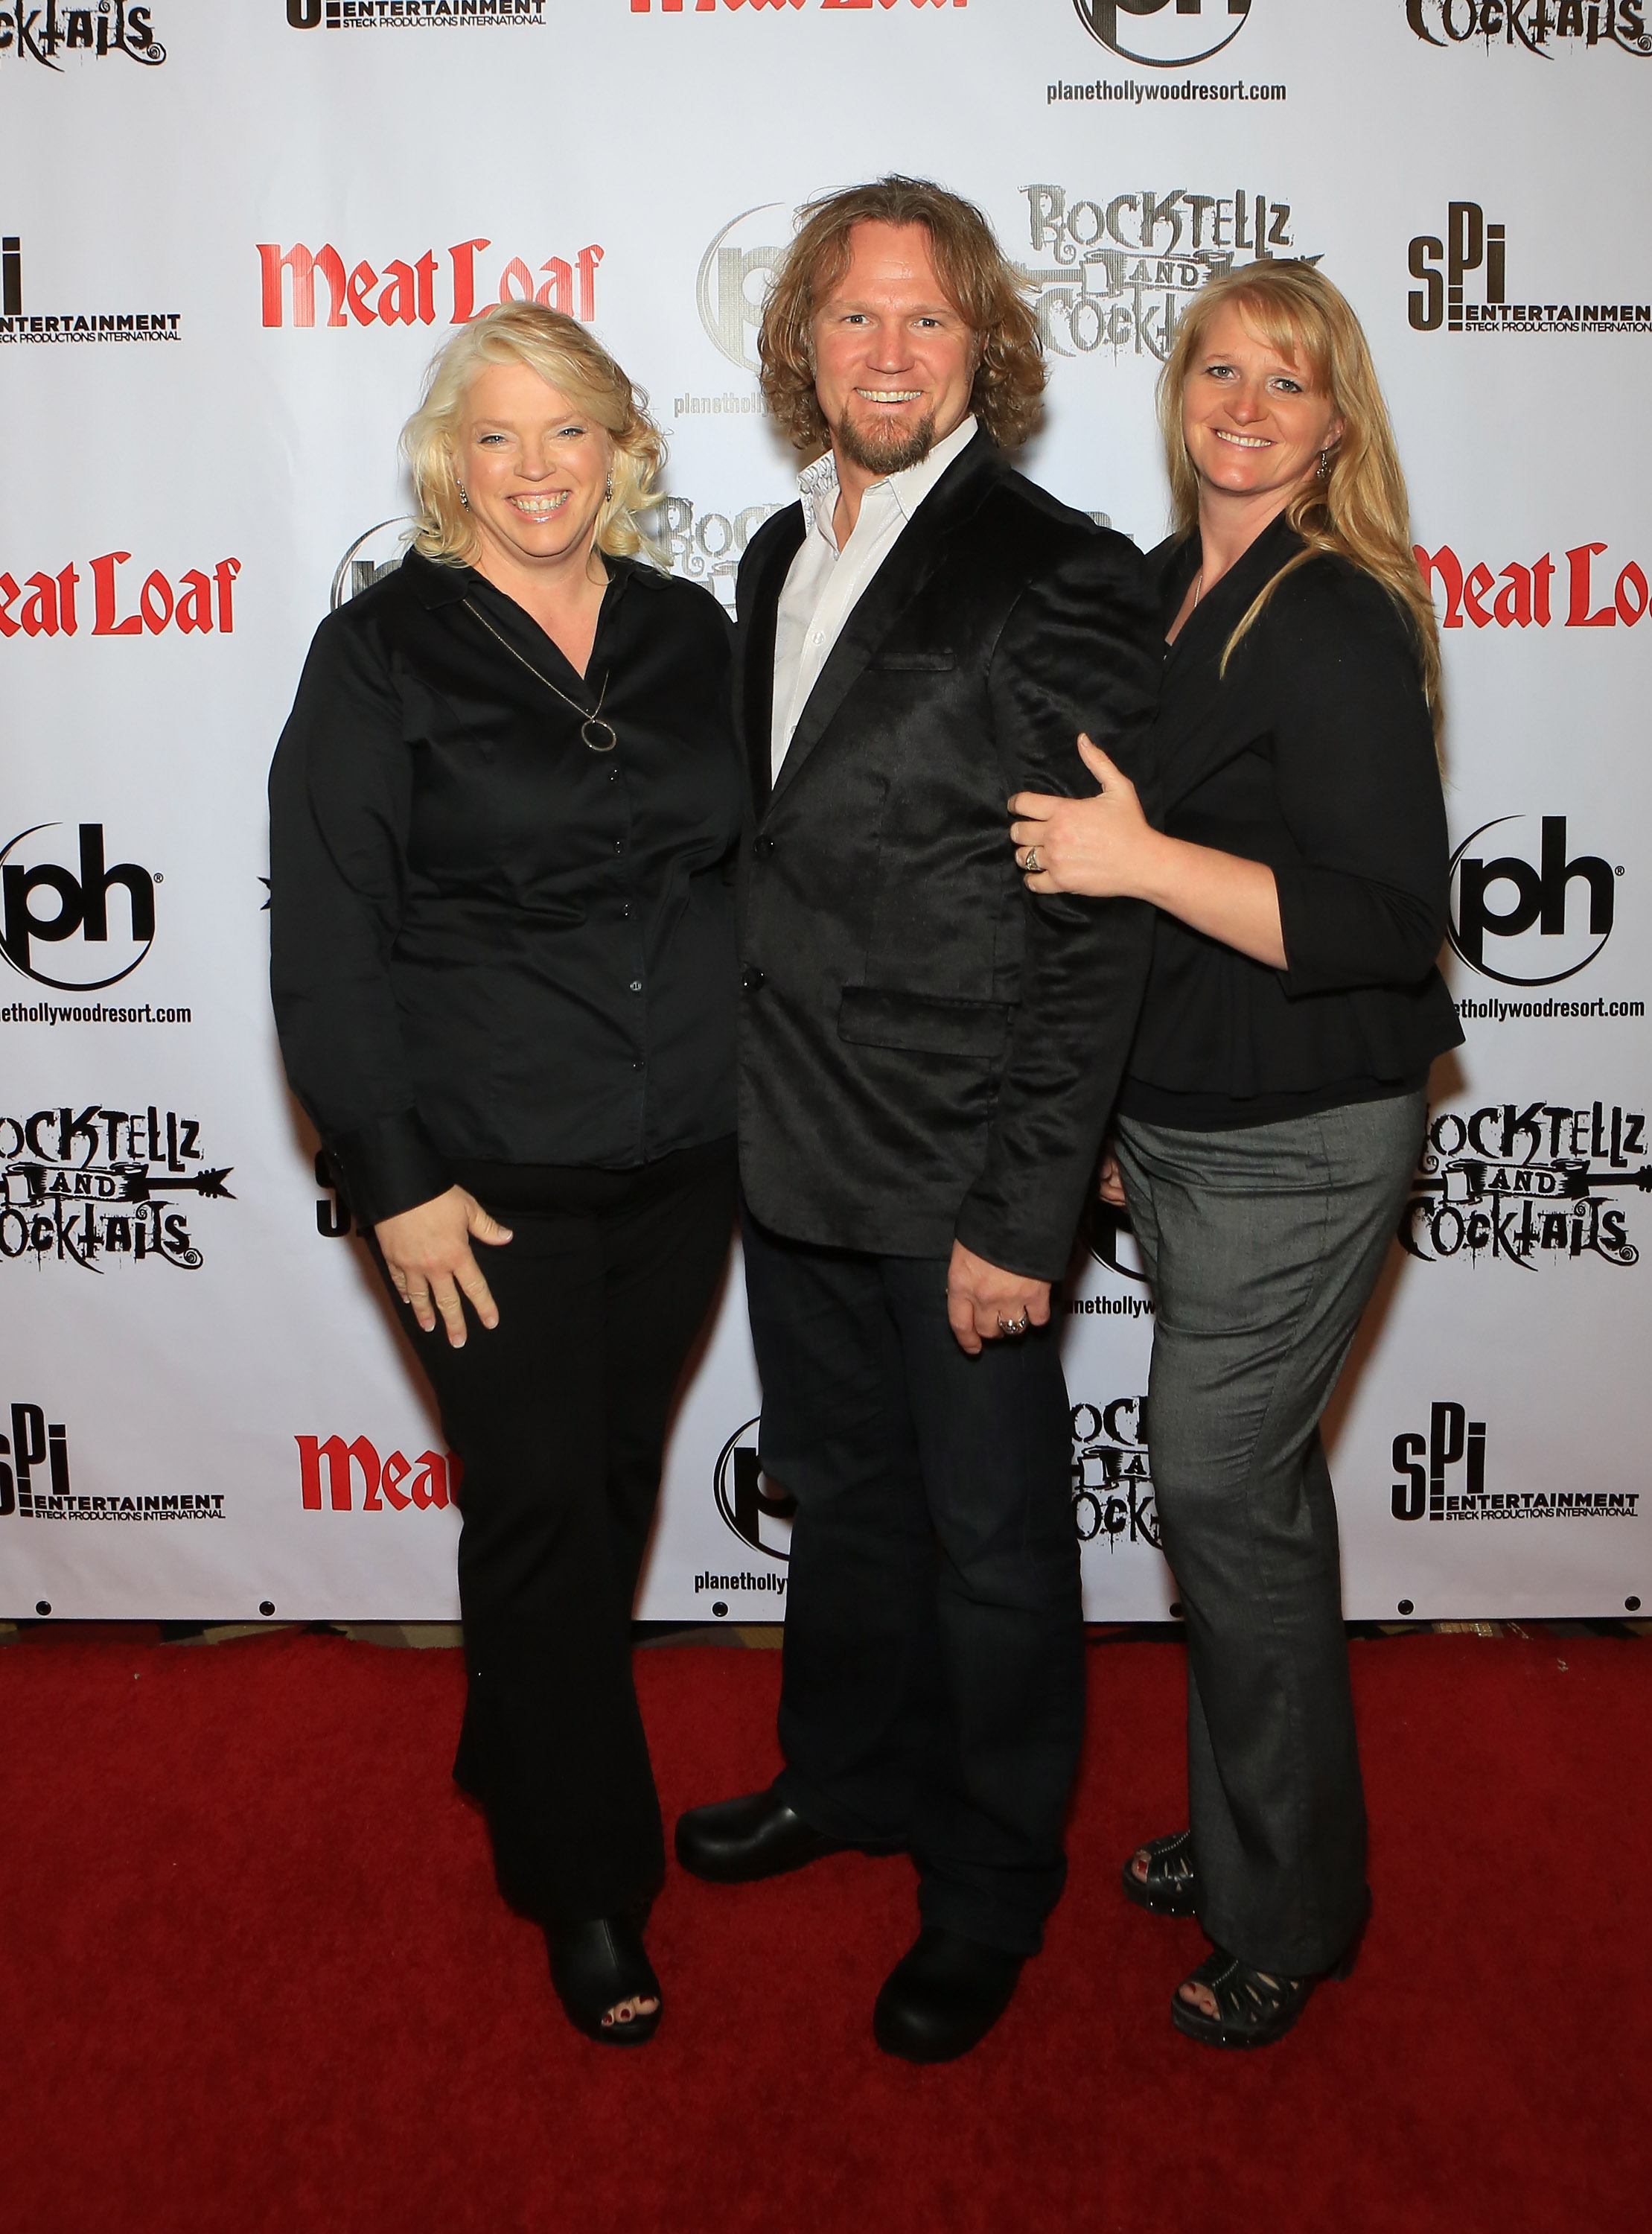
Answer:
(597, 1965)
(944, 1994)
(737, 1841)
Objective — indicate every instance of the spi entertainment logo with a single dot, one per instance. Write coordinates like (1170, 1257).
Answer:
(51, 327)
(1474, 249)
(1164, 33)
(1430, 1482)
(415, 14)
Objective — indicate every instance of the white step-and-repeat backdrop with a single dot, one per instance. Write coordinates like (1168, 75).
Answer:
(233, 237)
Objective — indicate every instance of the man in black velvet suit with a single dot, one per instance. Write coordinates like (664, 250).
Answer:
(928, 1056)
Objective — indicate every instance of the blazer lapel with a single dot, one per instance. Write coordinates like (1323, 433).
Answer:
(918, 551)
(758, 624)
(1185, 732)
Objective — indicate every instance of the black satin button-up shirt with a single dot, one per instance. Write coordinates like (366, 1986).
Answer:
(489, 942)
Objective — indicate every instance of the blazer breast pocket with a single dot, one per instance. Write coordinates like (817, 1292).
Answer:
(925, 1024)
(909, 662)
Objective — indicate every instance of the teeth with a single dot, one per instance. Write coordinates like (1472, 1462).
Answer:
(889, 395)
(1245, 441)
(540, 507)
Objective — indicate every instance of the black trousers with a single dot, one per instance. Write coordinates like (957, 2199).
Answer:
(559, 1415)
(933, 1677)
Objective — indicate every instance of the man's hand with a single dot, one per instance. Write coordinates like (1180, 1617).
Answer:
(428, 1251)
(983, 1304)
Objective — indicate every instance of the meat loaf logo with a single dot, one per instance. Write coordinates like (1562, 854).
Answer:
(81, 911)
(1471, 250)
(48, 329)
(1521, 1184)
(1113, 1482)
(1522, 594)
(1569, 900)
(412, 290)
(1120, 267)
(81, 1186)
(35, 1481)
(1540, 27)
(392, 1484)
(415, 14)
(1430, 1481)
(706, 547)
(1151, 31)
(195, 603)
(40, 33)
(759, 1511)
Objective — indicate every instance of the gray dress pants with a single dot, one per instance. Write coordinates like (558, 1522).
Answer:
(1262, 1246)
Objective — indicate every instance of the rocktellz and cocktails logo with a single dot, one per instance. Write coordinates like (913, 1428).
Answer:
(59, 326)
(40, 33)
(1124, 265)
(706, 547)
(1472, 248)
(1159, 34)
(415, 14)
(412, 290)
(1541, 27)
(1431, 1485)
(1112, 1481)
(1525, 1183)
(78, 1186)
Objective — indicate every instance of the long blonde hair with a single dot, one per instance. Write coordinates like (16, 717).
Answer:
(566, 357)
(1357, 509)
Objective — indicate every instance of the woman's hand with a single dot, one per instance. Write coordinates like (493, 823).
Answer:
(984, 1302)
(427, 1249)
(1099, 846)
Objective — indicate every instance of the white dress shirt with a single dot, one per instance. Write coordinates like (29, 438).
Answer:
(825, 585)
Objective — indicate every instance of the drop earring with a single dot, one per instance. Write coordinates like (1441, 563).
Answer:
(1324, 464)
(608, 490)
(464, 496)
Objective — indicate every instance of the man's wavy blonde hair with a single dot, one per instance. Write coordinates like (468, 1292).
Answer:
(567, 358)
(1007, 395)
(1358, 509)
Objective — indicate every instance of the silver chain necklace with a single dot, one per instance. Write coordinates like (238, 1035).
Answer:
(597, 734)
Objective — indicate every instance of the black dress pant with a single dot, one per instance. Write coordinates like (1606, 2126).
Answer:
(933, 1678)
(559, 1416)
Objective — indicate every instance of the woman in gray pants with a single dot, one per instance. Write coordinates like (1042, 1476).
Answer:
(1274, 1102)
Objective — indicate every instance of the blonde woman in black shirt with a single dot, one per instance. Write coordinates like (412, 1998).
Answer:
(1273, 1101)
(503, 967)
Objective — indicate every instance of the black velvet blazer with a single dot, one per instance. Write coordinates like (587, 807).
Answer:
(926, 1051)
(1316, 753)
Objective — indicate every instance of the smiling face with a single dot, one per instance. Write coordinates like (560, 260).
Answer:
(533, 467)
(1253, 420)
(894, 361)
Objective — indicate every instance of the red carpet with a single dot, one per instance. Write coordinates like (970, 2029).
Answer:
(253, 1974)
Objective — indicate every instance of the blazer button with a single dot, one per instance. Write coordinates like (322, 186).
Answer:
(752, 978)
(762, 848)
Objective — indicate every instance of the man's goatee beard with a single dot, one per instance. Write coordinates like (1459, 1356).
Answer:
(877, 449)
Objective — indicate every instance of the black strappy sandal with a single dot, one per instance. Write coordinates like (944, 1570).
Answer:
(1170, 1886)
(1254, 2007)
(597, 1965)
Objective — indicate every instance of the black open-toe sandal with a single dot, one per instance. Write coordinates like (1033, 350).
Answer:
(594, 1966)
(1254, 2007)
(1171, 1887)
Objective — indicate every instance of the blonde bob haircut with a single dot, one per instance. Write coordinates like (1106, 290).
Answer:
(1356, 508)
(1007, 395)
(565, 358)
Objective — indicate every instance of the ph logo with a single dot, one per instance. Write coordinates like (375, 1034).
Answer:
(1541, 899)
(1452, 1440)
(82, 909)
(735, 275)
(758, 1511)
(1149, 31)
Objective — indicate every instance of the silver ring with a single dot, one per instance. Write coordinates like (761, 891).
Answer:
(1012, 1326)
(1029, 866)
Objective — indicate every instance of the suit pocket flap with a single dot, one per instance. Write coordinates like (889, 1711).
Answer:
(925, 662)
(923, 1023)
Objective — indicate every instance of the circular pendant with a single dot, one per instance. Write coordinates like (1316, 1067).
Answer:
(598, 736)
